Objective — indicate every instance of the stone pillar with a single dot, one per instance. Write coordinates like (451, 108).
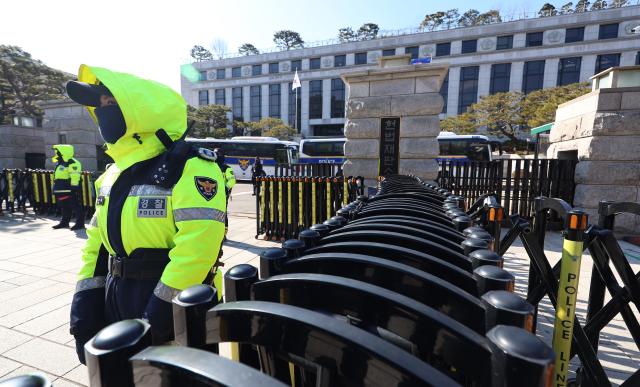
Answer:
(602, 128)
(71, 122)
(517, 72)
(394, 90)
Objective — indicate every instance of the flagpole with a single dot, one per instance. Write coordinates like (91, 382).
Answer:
(295, 125)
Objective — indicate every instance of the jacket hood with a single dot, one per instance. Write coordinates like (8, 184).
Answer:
(146, 106)
(65, 150)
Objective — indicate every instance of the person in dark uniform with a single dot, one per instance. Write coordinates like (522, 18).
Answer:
(256, 171)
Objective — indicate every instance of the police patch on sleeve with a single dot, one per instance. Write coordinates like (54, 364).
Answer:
(206, 186)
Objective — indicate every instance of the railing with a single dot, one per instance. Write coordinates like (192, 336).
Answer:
(515, 182)
(309, 170)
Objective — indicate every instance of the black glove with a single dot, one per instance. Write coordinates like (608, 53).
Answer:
(159, 313)
(87, 317)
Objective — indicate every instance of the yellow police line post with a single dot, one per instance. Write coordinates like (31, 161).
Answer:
(10, 197)
(36, 191)
(300, 203)
(575, 224)
(313, 200)
(328, 181)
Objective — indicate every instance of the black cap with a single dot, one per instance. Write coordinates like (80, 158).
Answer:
(86, 94)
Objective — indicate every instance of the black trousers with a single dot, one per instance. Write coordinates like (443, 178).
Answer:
(69, 203)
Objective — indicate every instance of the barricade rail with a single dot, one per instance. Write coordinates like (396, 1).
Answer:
(24, 189)
(308, 170)
(287, 205)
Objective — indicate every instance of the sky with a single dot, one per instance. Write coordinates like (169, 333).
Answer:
(152, 39)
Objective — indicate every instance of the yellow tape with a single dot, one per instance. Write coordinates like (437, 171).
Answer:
(566, 308)
(300, 213)
(313, 201)
(288, 201)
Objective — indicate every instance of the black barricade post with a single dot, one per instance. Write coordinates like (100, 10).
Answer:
(33, 380)
(507, 308)
(493, 278)
(237, 286)
(189, 312)
(108, 352)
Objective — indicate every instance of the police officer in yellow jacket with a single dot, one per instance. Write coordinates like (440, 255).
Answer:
(66, 186)
(160, 208)
(229, 180)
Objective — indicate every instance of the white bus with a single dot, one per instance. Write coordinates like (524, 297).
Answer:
(241, 152)
(322, 151)
(463, 147)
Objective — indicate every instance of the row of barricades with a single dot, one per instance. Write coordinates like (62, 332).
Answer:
(23, 188)
(394, 290)
(287, 205)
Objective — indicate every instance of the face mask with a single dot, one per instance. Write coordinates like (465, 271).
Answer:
(111, 123)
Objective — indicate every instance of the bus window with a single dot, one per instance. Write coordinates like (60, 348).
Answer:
(323, 149)
(478, 152)
(282, 156)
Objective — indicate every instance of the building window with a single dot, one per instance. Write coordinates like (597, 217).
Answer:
(606, 61)
(315, 99)
(533, 76)
(203, 76)
(574, 35)
(389, 52)
(608, 31)
(444, 92)
(569, 71)
(203, 97)
(534, 39)
(468, 88)
(637, 58)
(236, 93)
(469, 46)
(235, 72)
(274, 68)
(337, 98)
(339, 60)
(361, 58)
(220, 97)
(220, 74)
(293, 104)
(274, 100)
(256, 69)
(296, 65)
(504, 42)
(314, 63)
(62, 138)
(443, 49)
(255, 103)
(500, 77)
(413, 51)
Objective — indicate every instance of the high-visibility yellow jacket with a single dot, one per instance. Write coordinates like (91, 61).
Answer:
(67, 172)
(229, 177)
(136, 208)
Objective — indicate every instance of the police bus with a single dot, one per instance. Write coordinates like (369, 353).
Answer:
(322, 151)
(241, 152)
(464, 148)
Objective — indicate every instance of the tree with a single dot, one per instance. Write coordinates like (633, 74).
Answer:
(248, 49)
(219, 48)
(269, 127)
(450, 17)
(200, 53)
(582, 6)
(287, 39)
(547, 10)
(489, 17)
(500, 113)
(368, 31)
(347, 35)
(566, 9)
(433, 21)
(618, 3)
(25, 81)
(598, 5)
(468, 18)
(539, 107)
(461, 124)
(209, 120)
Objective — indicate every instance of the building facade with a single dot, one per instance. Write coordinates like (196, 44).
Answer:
(523, 55)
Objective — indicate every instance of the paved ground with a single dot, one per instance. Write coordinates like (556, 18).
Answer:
(37, 280)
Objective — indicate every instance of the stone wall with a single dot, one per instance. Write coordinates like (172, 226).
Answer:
(69, 120)
(16, 141)
(410, 92)
(604, 128)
